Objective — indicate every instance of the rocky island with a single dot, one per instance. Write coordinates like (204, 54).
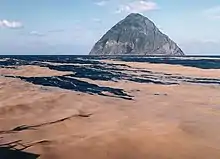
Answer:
(136, 35)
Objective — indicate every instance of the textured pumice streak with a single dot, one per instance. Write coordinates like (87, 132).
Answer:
(136, 35)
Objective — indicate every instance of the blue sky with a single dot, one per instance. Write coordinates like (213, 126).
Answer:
(73, 26)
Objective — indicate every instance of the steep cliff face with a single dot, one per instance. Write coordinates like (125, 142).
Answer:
(135, 35)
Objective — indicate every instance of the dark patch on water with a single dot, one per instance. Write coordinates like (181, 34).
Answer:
(10, 151)
(7, 153)
(69, 83)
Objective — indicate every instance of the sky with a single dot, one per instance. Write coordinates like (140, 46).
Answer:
(73, 26)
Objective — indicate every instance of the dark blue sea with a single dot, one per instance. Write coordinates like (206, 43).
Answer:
(204, 62)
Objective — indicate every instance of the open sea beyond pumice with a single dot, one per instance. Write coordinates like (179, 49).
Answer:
(204, 62)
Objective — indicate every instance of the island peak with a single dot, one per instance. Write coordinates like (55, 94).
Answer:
(136, 35)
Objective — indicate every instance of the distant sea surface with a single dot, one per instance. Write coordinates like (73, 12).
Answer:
(204, 62)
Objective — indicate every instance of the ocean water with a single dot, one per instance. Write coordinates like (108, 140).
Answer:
(90, 67)
(204, 62)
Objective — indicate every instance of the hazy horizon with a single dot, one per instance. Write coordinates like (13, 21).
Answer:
(73, 26)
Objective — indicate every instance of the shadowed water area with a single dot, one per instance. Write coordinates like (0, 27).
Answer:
(9, 151)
